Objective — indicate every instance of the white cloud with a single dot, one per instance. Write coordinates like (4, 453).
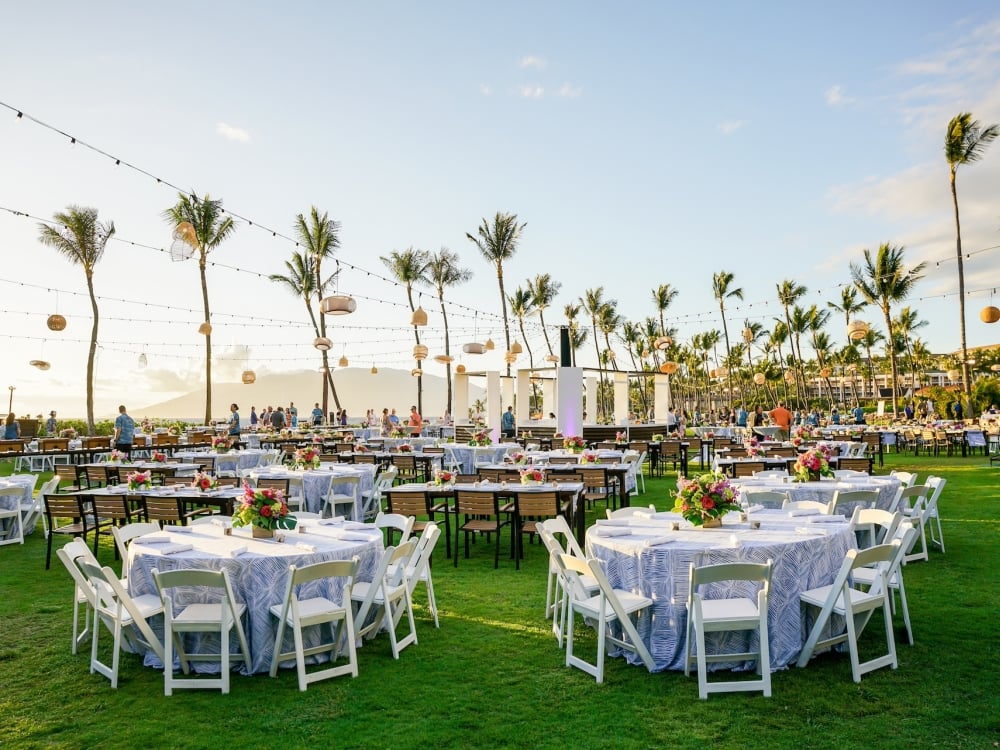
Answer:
(485, 89)
(532, 61)
(731, 126)
(570, 92)
(232, 133)
(835, 96)
(531, 91)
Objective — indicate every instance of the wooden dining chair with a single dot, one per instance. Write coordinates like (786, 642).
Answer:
(482, 514)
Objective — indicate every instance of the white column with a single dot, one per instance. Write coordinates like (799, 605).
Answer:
(460, 398)
(591, 399)
(621, 398)
(494, 406)
(661, 398)
(569, 411)
(548, 397)
(507, 388)
(522, 405)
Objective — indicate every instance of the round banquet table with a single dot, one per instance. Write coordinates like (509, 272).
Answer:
(806, 554)
(467, 456)
(316, 483)
(822, 491)
(27, 484)
(258, 573)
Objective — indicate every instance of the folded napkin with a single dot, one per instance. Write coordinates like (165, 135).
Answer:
(152, 539)
(806, 530)
(182, 529)
(612, 531)
(754, 508)
(237, 551)
(335, 521)
(827, 519)
(307, 547)
(357, 525)
(352, 536)
(172, 549)
(656, 541)
(615, 521)
(796, 512)
(117, 489)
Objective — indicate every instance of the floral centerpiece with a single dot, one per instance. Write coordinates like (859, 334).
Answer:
(221, 444)
(307, 458)
(481, 437)
(753, 448)
(118, 457)
(158, 457)
(443, 476)
(812, 465)
(204, 482)
(361, 448)
(347, 437)
(397, 434)
(705, 499)
(797, 441)
(264, 510)
(517, 458)
(317, 439)
(574, 443)
(817, 434)
(588, 457)
(620, 437)
(802, 432)
(404, 448)
(139, 480)
(532, 476)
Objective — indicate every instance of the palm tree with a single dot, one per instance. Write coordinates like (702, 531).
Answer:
(849, 305)
(211, 229)
(872, 336)
(663, 295)
(543, 293)
(521, 305)
(443, 271)
(319, 235)
(498, 243)
(577, 336)
(408, 268)
(790, 292)
(905, 324)
(721, 282)
(608, 321)
(592, 302)
(964, 143)
(883, 281)
(81, 238)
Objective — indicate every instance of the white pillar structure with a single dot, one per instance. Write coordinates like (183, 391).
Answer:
(548, 397)
(569, 411)
(460, 398)
(522, 404)
(507, 389)
(591, 409)
(661, 397)
(493, 404)
(621, 398)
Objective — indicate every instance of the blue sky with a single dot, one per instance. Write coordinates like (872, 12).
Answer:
(642, 143)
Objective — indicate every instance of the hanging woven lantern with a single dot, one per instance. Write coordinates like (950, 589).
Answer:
(489, 345)
(41, 364)
(460, 369)
(342, 362)
(58, 322)
(856, 330)
(551, 358)
(205, 329)
(760, 378)
(668, 368)
(420, 352)
(510, 358)
(338, 304)
(663, 342)
(444, 359)
(516, 347)
(419, 317)
(249, 377)
(374, 370)
(989, 314)
(322, 343)
(473, 348)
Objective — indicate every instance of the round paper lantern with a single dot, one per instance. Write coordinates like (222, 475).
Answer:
(322, 343)
(489, 345)
(551, 358)
(338, 304)
(205, 329)
(374, 370)
(460, 369)
(668, 368)
(249, 377)
(58, 322)
(444, 359)
(989, 314)
(995, 368)
(41, 364)
(856, 330)
(419, 317)
(473, 348)
(420, 352)
(760, 378)
(662, 342)
(416, 372)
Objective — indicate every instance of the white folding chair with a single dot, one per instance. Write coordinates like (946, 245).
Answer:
(83, 589)
(11, 522)
(851, 498)
(640, 478)
(813, 505)
(550, 531)
(633, 511)
(732, 613)
(856, 607)
(933, 515)
(125, 534)
(396, 522)
(296, 613)
(384, 600)
(766, 498)
(33, 509)
(212, 617)
(418, 567)
(904, 532)
(879, 525)
(908, 478)
(123, 615)
(606, 607)
(372, 499)
(348, 500)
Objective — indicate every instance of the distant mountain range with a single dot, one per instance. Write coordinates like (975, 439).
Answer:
(357, 389)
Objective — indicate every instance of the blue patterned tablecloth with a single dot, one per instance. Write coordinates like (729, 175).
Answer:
(27, 483)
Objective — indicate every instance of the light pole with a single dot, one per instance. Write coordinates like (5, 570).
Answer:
(10, 404)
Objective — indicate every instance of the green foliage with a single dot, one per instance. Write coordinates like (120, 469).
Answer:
(985, 393)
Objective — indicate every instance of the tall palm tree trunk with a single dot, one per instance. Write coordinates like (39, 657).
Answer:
(91, 355)
(447, 348)
(892, 361)
(503, 306)
(208, 342)
(961, 291)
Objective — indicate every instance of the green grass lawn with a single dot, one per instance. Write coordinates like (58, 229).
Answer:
(493, 677)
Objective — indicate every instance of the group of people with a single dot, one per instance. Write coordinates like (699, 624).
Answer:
(390, 422)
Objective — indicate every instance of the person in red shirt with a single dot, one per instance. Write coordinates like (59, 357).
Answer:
(416, 421)
(781, 417)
